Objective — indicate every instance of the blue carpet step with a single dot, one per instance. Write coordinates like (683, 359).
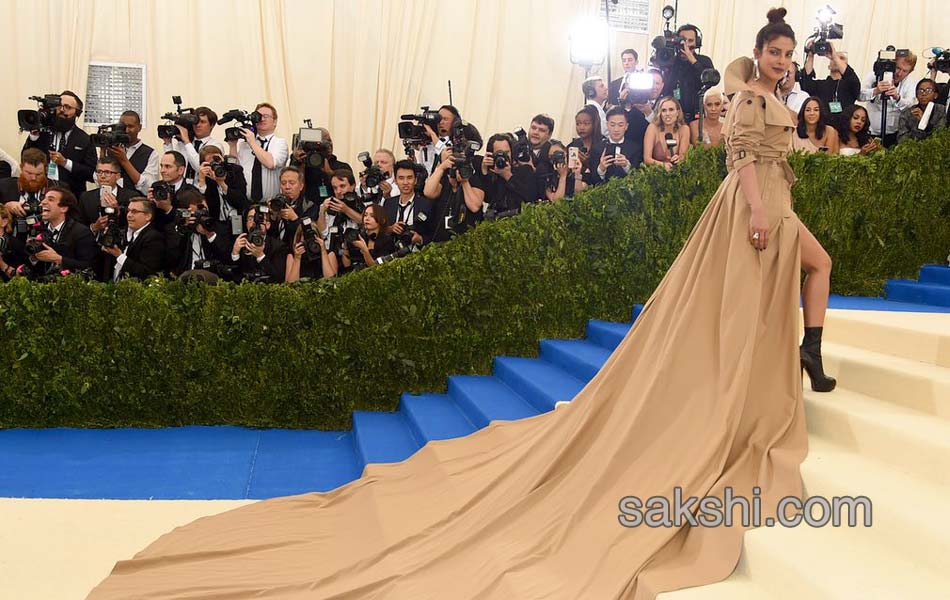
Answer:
(292, 462)
(637, 309)
(904, 290)
(537, 381)
(383, 437)
(484, 399)
(434, 417)
(580, 358)
(936, 274)
(606, 334)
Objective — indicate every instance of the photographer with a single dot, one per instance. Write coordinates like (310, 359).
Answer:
(166, 193)
(457, 200)
(507, 185)
(386, 161)
(409, 211)
(143, 252)
(66, 243)
(23, 194)
(909, 124)
(617, 153)
(682, 80)
(898, 94)
(290, 206)
(108, 194)
(189, 147)
(12, 248)
(629, 59)
(262, 154)
(71, 153)
(189, 243)
(429, 155)
(567, 179)
(223, 184)
(258, 261)
(138, 161)
(595, 95)
(372, 242)
(317, 179)
(839, 90)
(300, 265)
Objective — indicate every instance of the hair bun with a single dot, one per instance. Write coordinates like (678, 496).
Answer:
(777, 15)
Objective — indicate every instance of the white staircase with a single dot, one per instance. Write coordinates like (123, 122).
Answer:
(885, 434)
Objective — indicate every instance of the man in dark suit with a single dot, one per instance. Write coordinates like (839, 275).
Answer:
(292, 187)
(255, 261)
(67, 243)
(629, 59)
(226, 196)
(68, 146)
(144, 247)
(21, 195)
(109, 193)
(171, 169)
(617, 154)
(409, 209)
(189, 244)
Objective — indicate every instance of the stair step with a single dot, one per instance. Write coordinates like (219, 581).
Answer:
(910, 440)
(537, 381)
(606, 334)
(901, 381)
(903, 507)
(382, 437)
(938, 274)
(905, 290)
(485, 399)
(917, 336)
(580, 358)
(829, 563)
(434, 417)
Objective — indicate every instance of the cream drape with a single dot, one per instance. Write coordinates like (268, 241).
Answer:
(355, 65)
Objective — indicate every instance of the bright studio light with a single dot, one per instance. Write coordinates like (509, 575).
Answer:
(826, 14)
(589, 42)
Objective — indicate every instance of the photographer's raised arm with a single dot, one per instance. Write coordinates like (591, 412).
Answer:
(433, 186)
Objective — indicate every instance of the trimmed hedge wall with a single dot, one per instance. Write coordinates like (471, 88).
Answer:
(307, 354)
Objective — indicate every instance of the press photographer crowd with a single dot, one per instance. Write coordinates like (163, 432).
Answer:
(252, 207)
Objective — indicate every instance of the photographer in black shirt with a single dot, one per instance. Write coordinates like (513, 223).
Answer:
(507, 185)
(457, 200)
(682, 78)
(224, 186)
(372, 242)
(840, 89)
(317, 179)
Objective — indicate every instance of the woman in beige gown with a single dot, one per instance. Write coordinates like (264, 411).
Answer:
(529, 509)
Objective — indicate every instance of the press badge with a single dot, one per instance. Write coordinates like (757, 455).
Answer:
(834, 107)
(323, 192)
(677, 93)
(52, 172)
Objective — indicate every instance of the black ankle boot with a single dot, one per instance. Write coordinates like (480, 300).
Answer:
(811, 361)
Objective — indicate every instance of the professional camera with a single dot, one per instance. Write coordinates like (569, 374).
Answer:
(112, 235)
(111, 135)
(666, 47)
(351, 200)
(412, 127)
(886, 64)
(222, 270)
(336, 235)
(43, 117)
(521, 151)
(245, 120)
(33, 209)
(162, 190)
(186, 221)
(826, 30)
(311, 239)
(558, 158)
(941, 59)
(465, 141)
(257, 232)
(35, 241)
(185, 117)
(219, 166)
(639, 86)
(373, 175)
(501, 158)
(310, 140)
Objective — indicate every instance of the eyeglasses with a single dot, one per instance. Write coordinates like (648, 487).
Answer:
(103, 172)
(926, 90)
(136, 210)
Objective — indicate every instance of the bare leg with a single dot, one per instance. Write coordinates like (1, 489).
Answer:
(817, 266)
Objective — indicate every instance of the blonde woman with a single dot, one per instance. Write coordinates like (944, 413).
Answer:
(667, 137)
(712, 125)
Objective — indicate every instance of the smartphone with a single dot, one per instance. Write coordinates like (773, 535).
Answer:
(888, 77)
(102, 201)
(573, 160)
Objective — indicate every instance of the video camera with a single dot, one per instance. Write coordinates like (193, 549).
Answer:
(111, 135)
(184, 117)
(246, 120)
(310, 140)
(826, 30)
(666, 47)
(886, 64)
(941, 59)
(43, 117)
(412, 129)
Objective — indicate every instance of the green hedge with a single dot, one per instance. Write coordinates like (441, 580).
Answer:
(307, 354)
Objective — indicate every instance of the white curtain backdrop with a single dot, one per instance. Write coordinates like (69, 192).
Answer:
(355, 65)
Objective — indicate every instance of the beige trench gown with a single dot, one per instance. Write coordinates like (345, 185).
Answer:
(704, 393)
